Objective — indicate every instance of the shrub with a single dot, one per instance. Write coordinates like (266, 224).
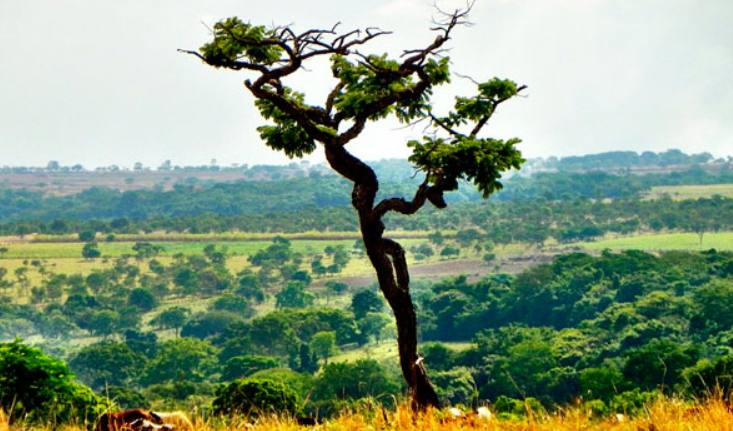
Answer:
(39, 388)
(254, 397)
(242, 366)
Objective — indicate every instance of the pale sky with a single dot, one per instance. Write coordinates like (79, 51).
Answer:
(99, 82)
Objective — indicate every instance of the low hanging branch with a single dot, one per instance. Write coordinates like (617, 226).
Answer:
(367, 88)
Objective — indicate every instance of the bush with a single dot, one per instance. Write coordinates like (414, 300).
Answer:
(630, 402)
(455, 386)
(39, 388)
(254, 397)
(358, 379)
(243, 366)
(708, 378)
(127, 398)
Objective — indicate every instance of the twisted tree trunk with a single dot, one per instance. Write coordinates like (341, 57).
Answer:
(388, 259)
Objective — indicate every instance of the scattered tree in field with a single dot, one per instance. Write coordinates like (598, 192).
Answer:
(171, 318)
(335, 287)
(369, 88)
(90, 251)
(324, 345)
(87, 236)
(294, 295)
(146, 250)
(4, 284)
(364, 302)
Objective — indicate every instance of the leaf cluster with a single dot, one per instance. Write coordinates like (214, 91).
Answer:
(234, 41)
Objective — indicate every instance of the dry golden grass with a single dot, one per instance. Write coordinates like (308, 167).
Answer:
(663, 415)
(3, 422)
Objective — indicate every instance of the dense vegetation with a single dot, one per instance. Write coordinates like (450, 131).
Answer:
(614, 328)
(591, 326)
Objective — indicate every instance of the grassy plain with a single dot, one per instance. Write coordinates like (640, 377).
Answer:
(691, 191)
(670, 241)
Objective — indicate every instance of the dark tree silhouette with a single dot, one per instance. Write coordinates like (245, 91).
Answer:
(369, 88)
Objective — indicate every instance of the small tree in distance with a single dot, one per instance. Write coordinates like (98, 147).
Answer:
(369, 88)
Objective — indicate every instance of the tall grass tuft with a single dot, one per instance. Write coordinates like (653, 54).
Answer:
(4, 426)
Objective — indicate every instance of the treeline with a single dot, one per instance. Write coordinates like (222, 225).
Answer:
(626, 159)
(532, 222)
(602, 185)
(259, 197)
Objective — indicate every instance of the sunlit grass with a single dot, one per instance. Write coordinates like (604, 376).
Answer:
(662, 415)
(671, 241)
(691, 191)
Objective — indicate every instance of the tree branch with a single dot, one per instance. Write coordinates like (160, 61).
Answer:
(426, 192)
(482, 122)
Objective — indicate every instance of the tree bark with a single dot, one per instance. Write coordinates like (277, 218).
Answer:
(388, 259)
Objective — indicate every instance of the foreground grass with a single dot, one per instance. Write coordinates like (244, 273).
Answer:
(666, 414)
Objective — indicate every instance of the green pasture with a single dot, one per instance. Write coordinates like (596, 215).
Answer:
(671, 241)
(385, 349)
(691, 191)
(65, 250)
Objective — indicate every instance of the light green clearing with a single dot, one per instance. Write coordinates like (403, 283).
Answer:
(386, 349)
(671, 241)
(692, 191)
(117, 249)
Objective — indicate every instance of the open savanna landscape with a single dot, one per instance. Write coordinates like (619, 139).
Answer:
(242, 216)
(585, 312)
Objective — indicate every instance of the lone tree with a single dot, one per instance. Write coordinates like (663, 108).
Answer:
(367, 88)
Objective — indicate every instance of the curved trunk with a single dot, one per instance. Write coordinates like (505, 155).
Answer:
(388, 259)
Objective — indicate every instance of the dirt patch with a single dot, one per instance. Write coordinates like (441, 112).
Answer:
(473, 269)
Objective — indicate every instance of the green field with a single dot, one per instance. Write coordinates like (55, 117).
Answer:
(671, 241)
(41, 250)
(691, 191)
(386, 349)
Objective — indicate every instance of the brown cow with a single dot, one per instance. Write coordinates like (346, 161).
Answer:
(122, 420)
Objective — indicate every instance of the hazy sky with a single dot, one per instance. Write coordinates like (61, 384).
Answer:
(99, 82)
